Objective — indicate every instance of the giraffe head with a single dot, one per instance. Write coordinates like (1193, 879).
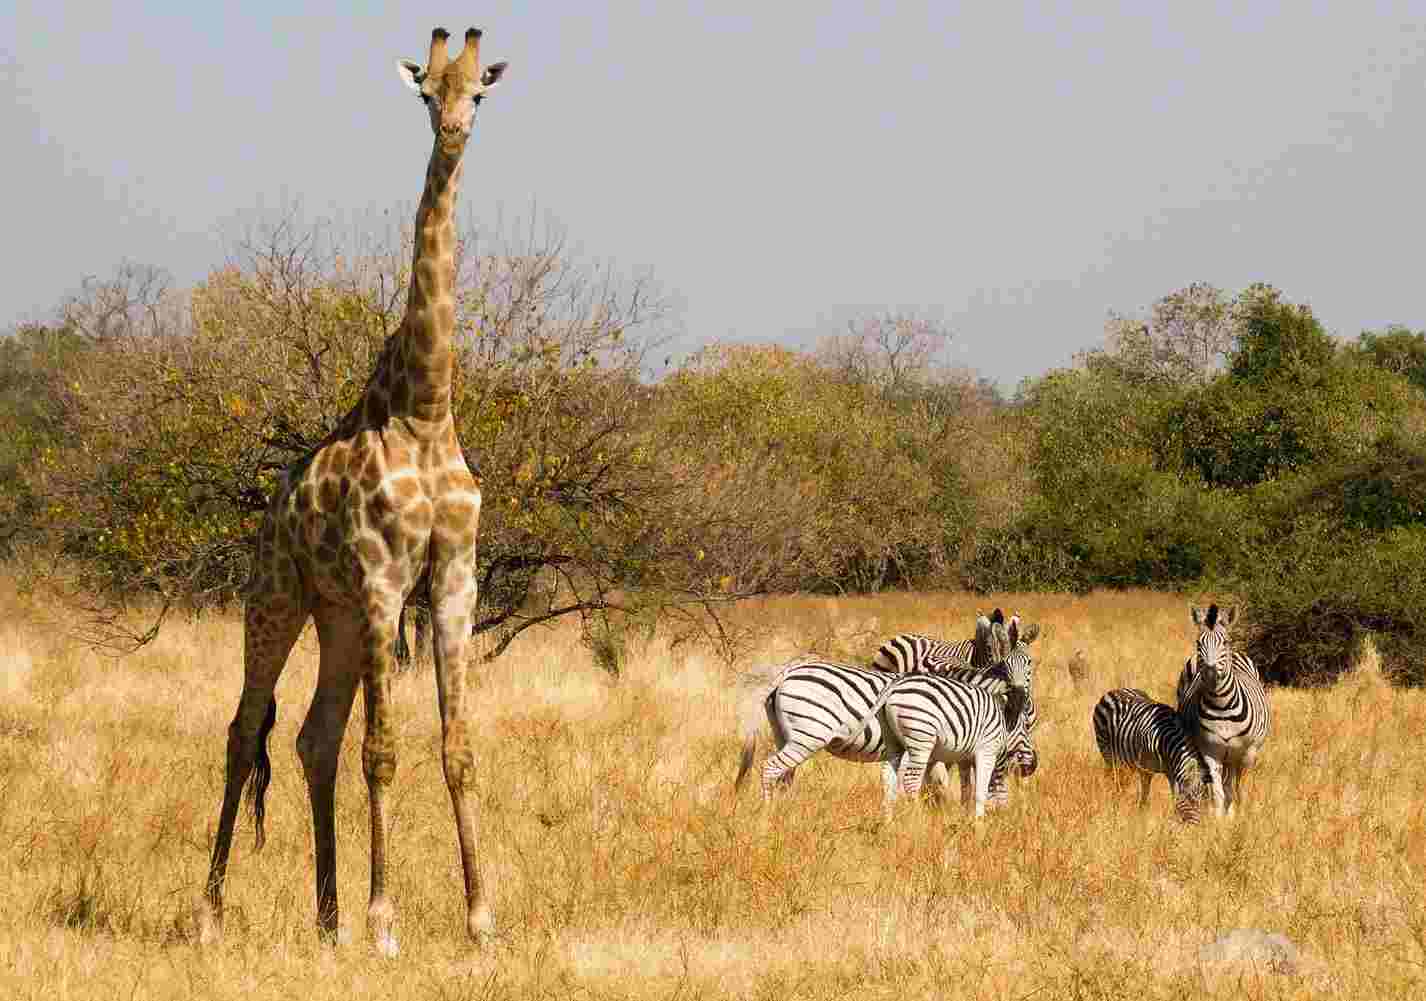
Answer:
(451, 89)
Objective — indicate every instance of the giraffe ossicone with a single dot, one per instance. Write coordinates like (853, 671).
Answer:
(384, 506)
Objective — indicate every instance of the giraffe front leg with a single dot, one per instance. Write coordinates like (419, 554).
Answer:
(453, 594)
(378, 762)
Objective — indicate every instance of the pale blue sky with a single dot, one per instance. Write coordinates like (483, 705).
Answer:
(1018, 168)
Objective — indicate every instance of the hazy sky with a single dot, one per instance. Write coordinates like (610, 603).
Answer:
(1018, 168)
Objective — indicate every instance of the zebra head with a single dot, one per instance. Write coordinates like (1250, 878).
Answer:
(1019, 742)
(1211, 650)
(1192, 787)
(1019, 663)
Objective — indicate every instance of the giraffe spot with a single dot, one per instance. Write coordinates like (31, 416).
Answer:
(407, 489)
(328, 495)
(371, 474)
(337, 459)
(378, 506)
(419, 518)
(396, 575)
(371, 550)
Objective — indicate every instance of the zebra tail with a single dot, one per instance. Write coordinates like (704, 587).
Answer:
(753, 689)
(850, 730)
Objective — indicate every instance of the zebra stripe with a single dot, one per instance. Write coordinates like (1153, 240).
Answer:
(929, 719)
(809, 702)
(906, 653)
(1224, 706)
(1133, 730)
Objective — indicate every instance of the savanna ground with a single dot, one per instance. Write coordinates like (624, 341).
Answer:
(621, 868)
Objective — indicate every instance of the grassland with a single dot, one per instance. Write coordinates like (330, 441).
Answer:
(623, 869)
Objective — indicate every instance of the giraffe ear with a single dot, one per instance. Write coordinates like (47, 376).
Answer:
(493, 73)
(411, 74)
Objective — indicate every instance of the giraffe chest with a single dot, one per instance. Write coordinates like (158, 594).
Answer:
(363, 520)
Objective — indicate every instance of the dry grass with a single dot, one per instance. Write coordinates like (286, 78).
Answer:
(622, 869)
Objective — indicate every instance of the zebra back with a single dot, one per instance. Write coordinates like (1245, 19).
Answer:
(821, 697)
(1132, 729)
(916, 653)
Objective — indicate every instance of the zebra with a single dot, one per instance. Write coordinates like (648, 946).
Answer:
(1224, 706)
(906, 653)
(1015, 658)
(1133, 730)
(806, 701)
(926, 719)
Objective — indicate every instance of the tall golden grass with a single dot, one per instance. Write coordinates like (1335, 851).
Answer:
(623, 868)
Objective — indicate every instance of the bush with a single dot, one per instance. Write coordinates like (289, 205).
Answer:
(1338, 554)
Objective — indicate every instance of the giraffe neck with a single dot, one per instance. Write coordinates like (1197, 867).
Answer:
(422, 361)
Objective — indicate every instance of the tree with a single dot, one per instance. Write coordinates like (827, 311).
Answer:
(1188, 334)
(177, 436)
(892, 352)
(1277, 341)
(1397, 350)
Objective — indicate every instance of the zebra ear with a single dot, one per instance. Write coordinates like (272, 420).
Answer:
(1230, 615)
(1197, 614)
(1212, 621)
(997, 616)
(1014, 631)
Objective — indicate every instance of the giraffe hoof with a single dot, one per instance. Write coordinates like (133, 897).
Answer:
(480, 926)
(387, 946)
(209, 924)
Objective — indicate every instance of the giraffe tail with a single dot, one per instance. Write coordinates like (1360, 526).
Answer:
(262, 772)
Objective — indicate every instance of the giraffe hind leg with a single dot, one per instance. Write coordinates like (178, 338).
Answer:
(271, 625)
(319, 744)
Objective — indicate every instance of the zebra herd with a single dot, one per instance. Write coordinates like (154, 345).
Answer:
(923, 704)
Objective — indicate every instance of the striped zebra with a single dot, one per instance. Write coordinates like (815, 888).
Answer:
(1224, 706)
(806, 701)
(927, 719)
(905, 653)
(1133, 730)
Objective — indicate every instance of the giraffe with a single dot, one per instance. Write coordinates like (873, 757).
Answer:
(386, 503)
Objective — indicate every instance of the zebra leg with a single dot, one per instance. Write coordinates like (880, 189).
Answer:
(1146, 779)
(1231, 774)
(967, 769)
(913, 770)
(940, 781)
(783, 762)
(984, 766)
(890, 766)
(1215, 782)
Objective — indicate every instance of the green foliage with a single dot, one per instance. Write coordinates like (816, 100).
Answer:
(34, 364)
(1397, 350)
(1104, 513)
(1277, 341)
(1336, 553)
(1236, 434)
